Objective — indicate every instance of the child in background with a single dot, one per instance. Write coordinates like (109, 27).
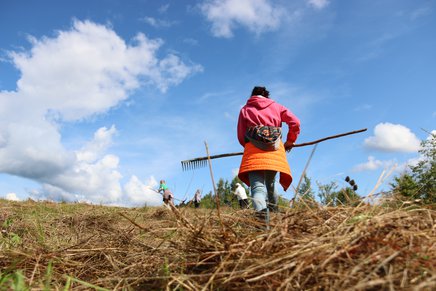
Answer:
(166, 193)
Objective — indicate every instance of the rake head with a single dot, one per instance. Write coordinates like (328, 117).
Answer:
(194, 164)
(202, 161)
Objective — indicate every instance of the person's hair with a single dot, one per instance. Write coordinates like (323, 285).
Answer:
(258, 90)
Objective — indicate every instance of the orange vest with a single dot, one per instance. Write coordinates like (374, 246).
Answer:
(255, 159)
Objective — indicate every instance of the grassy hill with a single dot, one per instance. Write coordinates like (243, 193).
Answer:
(60, 246)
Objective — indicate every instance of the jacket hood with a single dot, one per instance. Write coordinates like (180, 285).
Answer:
(259, 102)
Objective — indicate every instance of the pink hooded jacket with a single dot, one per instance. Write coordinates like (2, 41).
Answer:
(260, 110)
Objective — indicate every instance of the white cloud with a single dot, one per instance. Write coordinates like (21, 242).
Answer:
(12, 196)
(89, 69)
(164, 8)
(93, 176)
(420, 12)
(73, 76)
(410, 163)
(102, 140)
(363, 107)
(390, 137)
(235, 172)
(139, 193)
(257, 16)
(157, 23)
(372, 164)
(318, 4)
(281, 92)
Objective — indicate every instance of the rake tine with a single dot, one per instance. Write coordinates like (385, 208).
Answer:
(194, 164)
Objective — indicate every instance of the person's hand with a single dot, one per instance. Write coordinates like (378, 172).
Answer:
(288, 146)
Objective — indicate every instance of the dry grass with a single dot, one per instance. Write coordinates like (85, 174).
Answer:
(81, 247)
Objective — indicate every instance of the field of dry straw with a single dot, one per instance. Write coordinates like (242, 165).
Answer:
(50, 246)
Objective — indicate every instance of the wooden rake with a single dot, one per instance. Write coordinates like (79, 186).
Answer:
(202, 161)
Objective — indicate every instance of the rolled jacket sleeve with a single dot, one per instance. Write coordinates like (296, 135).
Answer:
(293, 123)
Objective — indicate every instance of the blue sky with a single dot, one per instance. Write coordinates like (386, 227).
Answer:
(99, 100)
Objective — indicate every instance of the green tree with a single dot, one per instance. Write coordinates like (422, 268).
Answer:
(305, 196)
(305, 190)
(327, 193)
(282, 202)
(424, 172)
(420, 181)
(224, 192)
(347, 197)
(405, 186)
(208, 201)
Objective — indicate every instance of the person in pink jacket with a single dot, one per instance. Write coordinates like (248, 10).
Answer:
(259, 132)
(261, 110)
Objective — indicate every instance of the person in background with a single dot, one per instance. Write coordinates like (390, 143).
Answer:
(242, 196)
(197, 198)
(259, 131)
(166, 193)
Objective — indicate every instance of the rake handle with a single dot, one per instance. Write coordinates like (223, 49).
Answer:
(295, 145)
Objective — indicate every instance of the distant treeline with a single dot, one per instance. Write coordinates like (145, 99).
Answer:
(417, 184)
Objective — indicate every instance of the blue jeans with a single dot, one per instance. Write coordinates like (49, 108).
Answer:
(263, 191)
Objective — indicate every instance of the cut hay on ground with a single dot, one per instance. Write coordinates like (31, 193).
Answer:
(80, 247)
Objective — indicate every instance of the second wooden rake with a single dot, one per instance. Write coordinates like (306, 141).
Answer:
(202, 161)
